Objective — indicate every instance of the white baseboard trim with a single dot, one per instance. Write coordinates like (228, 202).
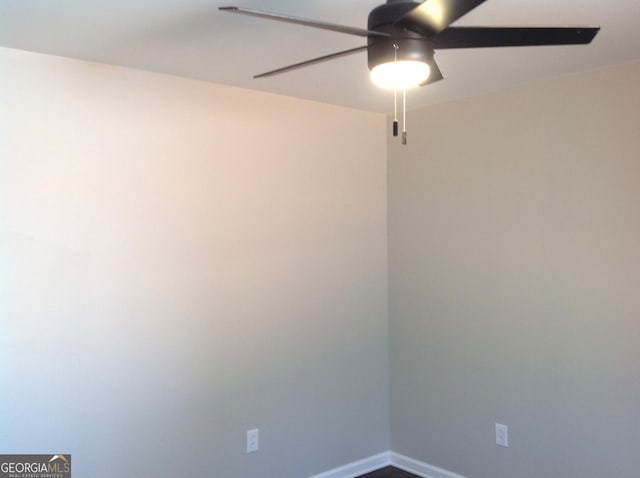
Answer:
(375, 462)
(358, 468)
(420, 468)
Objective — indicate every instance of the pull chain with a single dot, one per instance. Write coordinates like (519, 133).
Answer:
(404, 116)
(395, 96)
(395, 112)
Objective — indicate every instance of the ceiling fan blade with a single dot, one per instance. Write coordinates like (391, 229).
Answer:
(434, 75)
(433, 16)
(482, 37)
(313, 61)
(304, 21)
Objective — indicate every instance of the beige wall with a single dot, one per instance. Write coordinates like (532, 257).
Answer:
(180, 262)
(514, 265)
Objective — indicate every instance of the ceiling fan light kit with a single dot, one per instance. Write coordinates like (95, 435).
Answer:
(400, 75)
(401, 59)
(402, 36)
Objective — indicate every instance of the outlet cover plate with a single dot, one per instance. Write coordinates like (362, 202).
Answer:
(502, 435)
(252, 440)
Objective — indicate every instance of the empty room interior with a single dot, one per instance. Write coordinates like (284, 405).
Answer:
(206, 274)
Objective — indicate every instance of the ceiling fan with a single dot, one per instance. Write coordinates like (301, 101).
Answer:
(403, 34)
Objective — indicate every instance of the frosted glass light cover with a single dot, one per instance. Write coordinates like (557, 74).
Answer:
(400, 74)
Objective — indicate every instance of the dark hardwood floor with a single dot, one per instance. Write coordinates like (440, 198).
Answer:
(389, 472)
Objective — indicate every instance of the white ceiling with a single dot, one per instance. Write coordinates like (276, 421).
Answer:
(191, 38)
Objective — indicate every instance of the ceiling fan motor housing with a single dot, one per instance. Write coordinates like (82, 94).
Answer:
(412, 42)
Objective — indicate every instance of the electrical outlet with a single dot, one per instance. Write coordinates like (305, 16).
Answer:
(252, 440)
(502, 435)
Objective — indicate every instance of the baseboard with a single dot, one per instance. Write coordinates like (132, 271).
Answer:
(358, 468)
(372, 463)
(420, 468)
